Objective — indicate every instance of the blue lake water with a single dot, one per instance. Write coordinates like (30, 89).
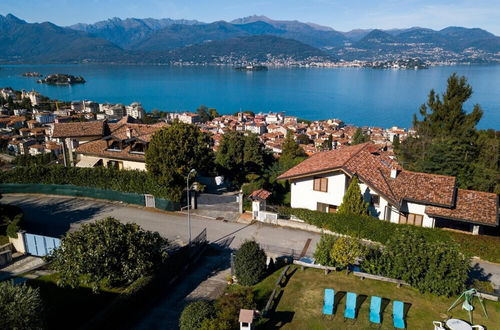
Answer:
(358, 96)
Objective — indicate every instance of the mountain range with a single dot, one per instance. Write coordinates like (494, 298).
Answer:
(253, 38)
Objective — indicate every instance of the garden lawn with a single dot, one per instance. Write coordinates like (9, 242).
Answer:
(67, 308)
(300, 306)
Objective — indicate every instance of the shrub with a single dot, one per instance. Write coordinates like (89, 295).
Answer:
(194, 314)
(138, 182)
(346, 251)
(14, 226)
(250, 263)
(20, 307)
(353, 201)
(108, 251)
(228, 308)
(436, 267)
(323, 249)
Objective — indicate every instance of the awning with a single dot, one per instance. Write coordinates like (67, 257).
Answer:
(88, 162)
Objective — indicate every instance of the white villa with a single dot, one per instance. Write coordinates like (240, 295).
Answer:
(394, 194)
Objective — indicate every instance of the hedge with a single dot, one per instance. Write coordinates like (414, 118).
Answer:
(138, 182)
(370, 228)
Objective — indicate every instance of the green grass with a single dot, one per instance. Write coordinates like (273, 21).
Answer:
(485, 247)
(300, 306)
(3, 239)
(67, 308)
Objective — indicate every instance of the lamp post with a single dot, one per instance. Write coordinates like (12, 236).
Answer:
(188, 202)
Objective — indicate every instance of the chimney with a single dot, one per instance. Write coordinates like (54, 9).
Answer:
(129, 133)
(394, 172)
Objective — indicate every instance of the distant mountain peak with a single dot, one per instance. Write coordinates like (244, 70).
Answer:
(11, 18)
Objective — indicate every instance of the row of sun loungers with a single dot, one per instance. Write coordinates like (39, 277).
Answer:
(350, 311)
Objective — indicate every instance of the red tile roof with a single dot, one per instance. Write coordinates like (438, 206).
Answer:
(260, 194)
(472, 206)
(78, 129)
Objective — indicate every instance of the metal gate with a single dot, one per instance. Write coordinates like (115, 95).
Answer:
(149, 200)
(40, 246)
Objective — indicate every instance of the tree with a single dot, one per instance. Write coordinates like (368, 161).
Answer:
(239, 155)
(303, 139)
(108, 251)
(359, 137)
(446, 140)
(21, 307)
(395, 142)
(228, 308)
(291, 154)
(328, 144)
(203, 113)
(213, 113)
(323, 249)
(195, 313)
(346, 251)
(250, 263)
(173, 152)
(353, 202)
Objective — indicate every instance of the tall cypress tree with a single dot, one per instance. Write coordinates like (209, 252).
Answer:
(291, 154)
(353, 202)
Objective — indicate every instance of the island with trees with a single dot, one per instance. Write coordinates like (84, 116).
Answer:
(61, 79)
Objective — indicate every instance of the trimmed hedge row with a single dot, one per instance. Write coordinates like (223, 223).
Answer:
(138, 182)
(367, 227)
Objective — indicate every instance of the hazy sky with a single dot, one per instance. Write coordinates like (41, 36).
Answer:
(342, 15)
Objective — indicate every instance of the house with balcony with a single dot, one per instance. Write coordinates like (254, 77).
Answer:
(394, 194)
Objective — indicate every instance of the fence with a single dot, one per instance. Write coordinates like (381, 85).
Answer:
(79, 191)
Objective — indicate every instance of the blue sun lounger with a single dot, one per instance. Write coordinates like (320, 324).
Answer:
(350, 306)
(328, 302)
(398, 308)
(375, 305)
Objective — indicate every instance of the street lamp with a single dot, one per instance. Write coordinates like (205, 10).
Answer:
(193, 171)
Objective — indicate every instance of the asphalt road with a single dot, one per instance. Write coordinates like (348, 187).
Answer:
(54, 216)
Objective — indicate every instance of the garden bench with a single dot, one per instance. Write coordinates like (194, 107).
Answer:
(380, 278)
(302, 265)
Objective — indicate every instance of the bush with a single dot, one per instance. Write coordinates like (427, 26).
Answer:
(250, 263)
(323, 249)
(108, 252)
(435, 267)
(138, 182)
(20, 307)
(228, 308)
(194, 314)
(14, 226)
(346, 251)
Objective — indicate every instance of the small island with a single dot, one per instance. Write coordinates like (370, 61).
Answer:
(61, 79)
(31, 74)
(251, 68)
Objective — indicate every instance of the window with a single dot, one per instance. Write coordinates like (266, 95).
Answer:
(411, 219)
(321, 184)
(375, 200)
(326, 208)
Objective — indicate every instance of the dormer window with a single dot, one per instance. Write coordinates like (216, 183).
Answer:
(138, 148)
(115, 146)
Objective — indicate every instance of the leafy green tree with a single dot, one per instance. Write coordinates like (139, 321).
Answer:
(239, 155)
(21, 307)
(303, 139)
(108, 252)
(14, 226)
(359, 137)
(323, 249)
(250, 263)
(395, 142)
(346, 251)
(446, 140)
(228, 308)
(203, 113)
(213, 113)
(173, 152)
(291, 154)
(328, 144)
(195, 313)
(353, 201)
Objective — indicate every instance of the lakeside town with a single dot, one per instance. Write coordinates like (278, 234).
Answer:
(31, 131)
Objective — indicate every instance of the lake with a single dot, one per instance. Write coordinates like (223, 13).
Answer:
(356, 95)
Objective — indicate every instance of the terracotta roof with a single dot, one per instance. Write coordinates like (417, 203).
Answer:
(78, 129)
(119, 131)
(471, 206)
(261, 194)
(246, 315)
(374, 169)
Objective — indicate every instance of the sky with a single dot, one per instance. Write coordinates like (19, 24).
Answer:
(342, 15)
